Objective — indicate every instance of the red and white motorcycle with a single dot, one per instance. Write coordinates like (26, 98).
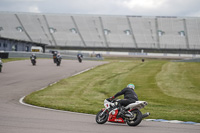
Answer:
(132, 115)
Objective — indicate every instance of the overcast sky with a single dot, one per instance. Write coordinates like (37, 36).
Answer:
(106, 7)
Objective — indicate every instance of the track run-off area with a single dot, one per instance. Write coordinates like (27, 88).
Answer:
(20, 78)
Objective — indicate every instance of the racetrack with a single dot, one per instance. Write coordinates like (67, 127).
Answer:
(19, 78)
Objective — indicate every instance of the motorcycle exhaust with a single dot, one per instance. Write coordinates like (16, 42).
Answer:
(145, 115)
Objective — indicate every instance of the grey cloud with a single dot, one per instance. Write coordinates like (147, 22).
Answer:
(110, 7)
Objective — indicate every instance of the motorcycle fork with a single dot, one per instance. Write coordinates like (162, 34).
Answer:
(103, 112)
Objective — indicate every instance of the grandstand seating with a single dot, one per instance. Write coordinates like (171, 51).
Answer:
(64, 35)
(144, 31)
(35, 28)
(193, 26)
(68, 30)
(9, 24)
(117, 27)
(172, 28)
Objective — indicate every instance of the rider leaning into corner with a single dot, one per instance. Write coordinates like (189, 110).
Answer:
(129, 97)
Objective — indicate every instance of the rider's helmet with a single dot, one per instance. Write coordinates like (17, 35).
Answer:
(131, 86)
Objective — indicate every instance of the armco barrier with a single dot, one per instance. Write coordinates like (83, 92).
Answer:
(189, 60)
(4, 55)
(46, 55)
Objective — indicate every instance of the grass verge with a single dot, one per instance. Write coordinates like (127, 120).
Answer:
(171, 88)
(13, 59)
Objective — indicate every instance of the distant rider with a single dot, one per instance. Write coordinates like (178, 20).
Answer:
(1, 65)
(129, 97)
(33, 57)
(54, 56)
(79, 57)
(58, 56)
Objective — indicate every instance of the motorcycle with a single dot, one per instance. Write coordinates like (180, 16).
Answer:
(58, 60)
(33, 60)
(55, 57)
(132, 115)
(80, 56)
(1, 65)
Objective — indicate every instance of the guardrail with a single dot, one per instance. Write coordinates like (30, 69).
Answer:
(188, 60)
(12, 54)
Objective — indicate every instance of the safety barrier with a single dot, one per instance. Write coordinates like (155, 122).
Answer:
(12, 54)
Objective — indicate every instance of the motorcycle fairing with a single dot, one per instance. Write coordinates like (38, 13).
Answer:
(113, 117)
(113, 113)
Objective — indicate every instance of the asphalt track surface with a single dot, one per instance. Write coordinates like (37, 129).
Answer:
(19, 78)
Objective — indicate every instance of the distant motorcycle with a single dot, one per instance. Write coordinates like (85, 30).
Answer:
(80, 56)
(54, 57)
(58, 60)
(33, 59)
(1, 65)
(132, 115)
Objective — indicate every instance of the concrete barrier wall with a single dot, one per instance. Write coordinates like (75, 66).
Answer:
(46, 55)
(188, 60)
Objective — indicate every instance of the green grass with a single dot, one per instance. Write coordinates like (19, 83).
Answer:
(13, 59)
(171, 88)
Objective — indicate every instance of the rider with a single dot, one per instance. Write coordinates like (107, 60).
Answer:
(79, 55)
(1, 63)
(54, 56)
(58, 56)
(33, 56)
(129, 97)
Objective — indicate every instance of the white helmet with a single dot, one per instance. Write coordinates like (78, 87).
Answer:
(131, 86)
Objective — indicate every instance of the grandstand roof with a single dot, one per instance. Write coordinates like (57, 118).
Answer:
(102, 31)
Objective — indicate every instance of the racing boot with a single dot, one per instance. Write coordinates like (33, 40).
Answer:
(121, 111)
(124, 113)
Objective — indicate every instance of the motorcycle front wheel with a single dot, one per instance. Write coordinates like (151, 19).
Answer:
(33, 62)
(102, 118)
(137, 118)
(58, 63)
(80, 60)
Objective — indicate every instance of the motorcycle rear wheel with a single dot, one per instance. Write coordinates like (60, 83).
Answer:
(136, 119)
(102, 119)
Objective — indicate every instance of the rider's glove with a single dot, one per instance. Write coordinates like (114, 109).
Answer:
(110, 99)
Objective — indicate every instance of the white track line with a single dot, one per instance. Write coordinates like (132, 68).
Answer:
(33, 106)
(21, 100)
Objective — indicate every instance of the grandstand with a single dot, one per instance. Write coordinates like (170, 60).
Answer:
(100, 32)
